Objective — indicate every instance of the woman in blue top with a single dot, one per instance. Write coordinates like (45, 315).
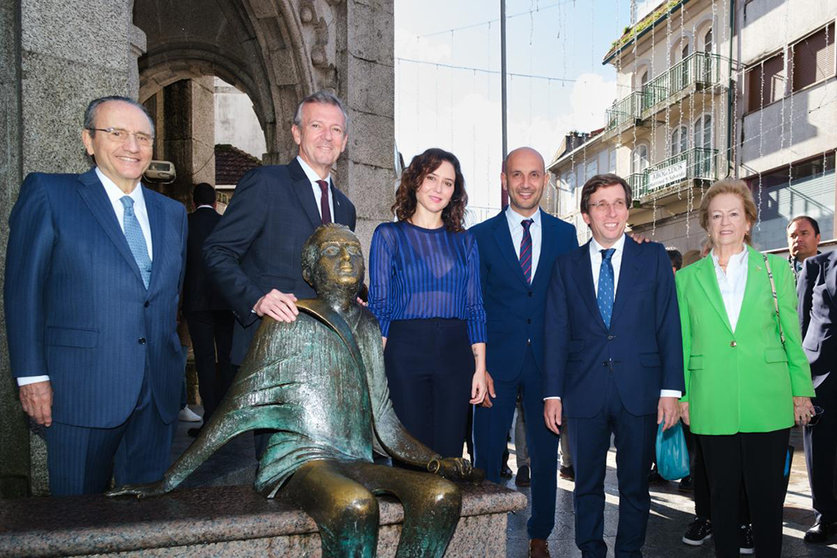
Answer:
(425, 291)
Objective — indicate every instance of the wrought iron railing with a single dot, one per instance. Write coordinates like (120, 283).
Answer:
(700, 163)
(625, 111)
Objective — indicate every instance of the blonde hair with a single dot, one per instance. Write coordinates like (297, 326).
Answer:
(735, 187)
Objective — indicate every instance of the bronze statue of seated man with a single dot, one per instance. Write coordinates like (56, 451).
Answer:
(319, 384)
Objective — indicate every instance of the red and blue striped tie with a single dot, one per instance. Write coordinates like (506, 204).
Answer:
(526, 251)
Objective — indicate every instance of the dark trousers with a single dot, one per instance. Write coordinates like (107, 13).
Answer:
(758, 460)
(82, 460)
(703, 507)
(211, 333)
(820, 443)
(634, 438)
(430, 366)
(491, 428)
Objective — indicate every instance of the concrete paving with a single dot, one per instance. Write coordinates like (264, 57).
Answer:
(671, 510)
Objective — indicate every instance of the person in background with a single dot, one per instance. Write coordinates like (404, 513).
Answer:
(424, 289)
(803, 240)
(208, 315)
(518, 248)
(747, 378)
(817, 291)
(94, 269)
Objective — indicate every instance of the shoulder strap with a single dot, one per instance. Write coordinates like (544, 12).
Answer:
(775, 298)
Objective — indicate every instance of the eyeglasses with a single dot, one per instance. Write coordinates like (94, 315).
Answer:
(818, 413)
(604, 206)
(118, 135)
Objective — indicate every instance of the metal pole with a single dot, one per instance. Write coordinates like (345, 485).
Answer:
(503, 93)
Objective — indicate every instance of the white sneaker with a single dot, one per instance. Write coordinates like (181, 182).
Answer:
(188, 415)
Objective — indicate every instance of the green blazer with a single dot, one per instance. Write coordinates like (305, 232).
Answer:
(742, 380)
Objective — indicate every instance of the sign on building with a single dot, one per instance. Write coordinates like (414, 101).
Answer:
(666, 175)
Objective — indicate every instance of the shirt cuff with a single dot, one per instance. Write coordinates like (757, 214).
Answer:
(552, 397)
(671, 393)
(26, 380)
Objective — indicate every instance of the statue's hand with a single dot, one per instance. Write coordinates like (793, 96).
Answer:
(139, 490)
(455, 469)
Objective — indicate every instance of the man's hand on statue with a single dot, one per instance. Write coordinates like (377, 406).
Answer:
(139, 490)
(490, 394)
(479, 387)
(278, 305)
(36, 400)
(552, 409)
(455, 469)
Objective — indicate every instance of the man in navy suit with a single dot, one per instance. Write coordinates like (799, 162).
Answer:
(517, 249)
(613, 363)
(817, 290)
(254, 253)
(207, 313)
(94, 269)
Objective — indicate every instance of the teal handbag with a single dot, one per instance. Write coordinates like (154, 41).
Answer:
(672, 453)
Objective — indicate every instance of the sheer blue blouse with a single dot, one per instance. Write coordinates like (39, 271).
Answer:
(417, 273)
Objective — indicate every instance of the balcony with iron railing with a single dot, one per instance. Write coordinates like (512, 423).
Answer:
(698, 163)
(698, 71)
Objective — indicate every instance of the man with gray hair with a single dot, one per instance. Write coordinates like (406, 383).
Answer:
(253, 253)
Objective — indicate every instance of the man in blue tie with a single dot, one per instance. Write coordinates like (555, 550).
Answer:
(613, 363)
(94, 269)
(517, 249)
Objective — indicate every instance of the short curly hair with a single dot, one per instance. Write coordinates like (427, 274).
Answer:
(453, 216)
(735, 187)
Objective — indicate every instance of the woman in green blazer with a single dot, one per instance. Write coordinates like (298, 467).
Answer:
(745, 387)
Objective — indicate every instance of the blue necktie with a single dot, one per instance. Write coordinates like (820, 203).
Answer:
(136, 240)
(604, 298)
(526, 251)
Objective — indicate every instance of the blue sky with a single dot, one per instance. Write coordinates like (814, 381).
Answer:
(459, 108)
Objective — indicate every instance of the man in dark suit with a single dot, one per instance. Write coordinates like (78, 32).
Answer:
(94, 269)
(517, 249)
(613, 363)
(817, 290)
(207, 314)
(253, 255)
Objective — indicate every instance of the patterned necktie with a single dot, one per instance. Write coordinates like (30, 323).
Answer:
(526, 250)
(136, 240)
(325, 212)
(604, 298)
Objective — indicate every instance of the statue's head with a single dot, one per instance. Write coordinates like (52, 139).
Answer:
(332, 261)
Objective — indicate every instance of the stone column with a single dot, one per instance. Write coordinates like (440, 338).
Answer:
(54, 58)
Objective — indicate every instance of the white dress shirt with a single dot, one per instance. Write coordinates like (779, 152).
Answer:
(535, 231)
(732, 283)
(313, 177)
(114, 194)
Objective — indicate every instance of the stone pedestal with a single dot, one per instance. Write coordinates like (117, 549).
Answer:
(222, 521)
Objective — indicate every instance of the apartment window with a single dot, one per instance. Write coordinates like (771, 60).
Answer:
(812, 58)
(703, 156)
(766, 82)
(703, 132)
(679, 140)
(640, 158)
(707, 42)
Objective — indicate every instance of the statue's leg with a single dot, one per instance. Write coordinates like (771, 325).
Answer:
(431, 506)
(345, 512)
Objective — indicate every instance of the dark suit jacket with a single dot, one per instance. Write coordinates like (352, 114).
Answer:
(199, 293)
(514, 309)
(643, 342)
(817, 290)
(76, 306)
(257, 245)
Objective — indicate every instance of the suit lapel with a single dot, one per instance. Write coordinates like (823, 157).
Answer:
(94, 195)
(547, 249)
(157, 223)
(629, 273)
(341, 209)
(708, 281)
(502, 236)
(304, 193)
(583, 275)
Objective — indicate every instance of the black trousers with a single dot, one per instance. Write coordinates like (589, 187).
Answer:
(758, 460)
(821, 451)
(211, 333)
(429, 367)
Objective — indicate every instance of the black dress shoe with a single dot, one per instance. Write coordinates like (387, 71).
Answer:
(523, 477)
(193, 432)
(567, 472)
(821, 532)
(505, 472)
